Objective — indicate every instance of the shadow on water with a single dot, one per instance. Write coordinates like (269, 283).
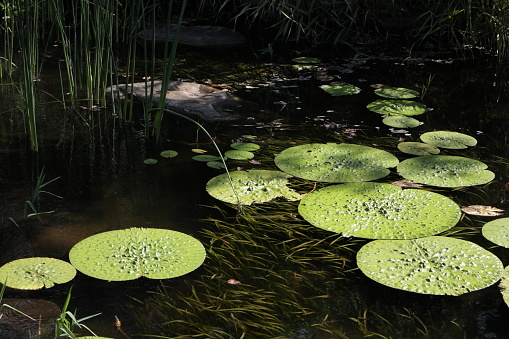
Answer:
(106, 186)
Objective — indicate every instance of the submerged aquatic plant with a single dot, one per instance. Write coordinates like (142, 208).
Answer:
(432, 265)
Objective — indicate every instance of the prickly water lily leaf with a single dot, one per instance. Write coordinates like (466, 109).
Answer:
(448, 139)
(379, 211)
(36, 273)
(486, 211)
(336, 162)
(445, 171)
(401, 122)
(497, 231)
(397, 107)
(245, 146)
(254, 186)
(417, 148)
(238, 154)
(169, 153)
(396, 92)
(341, 89)
(432, 265)
(137, 252)
(504, 285)
(206, 157)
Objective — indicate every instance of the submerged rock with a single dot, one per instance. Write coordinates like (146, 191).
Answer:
(199, 36)
(189, 98)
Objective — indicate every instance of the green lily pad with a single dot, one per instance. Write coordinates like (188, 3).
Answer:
(216, 164)
(504, 285)
(397, 107)
(417, 148)
(254, 186)
(36, 273)
(396, 92)
(135, 252)
(206, 157)
(497, 231)
(238, 154)
(306, 60)
(245, 146)
(445, 171)
(169, 153)
(401, 122)
(150, 161)
(198, 150)
(341, 89)
(447, 139)
(432, 265)
(336, 162)
(379, 211)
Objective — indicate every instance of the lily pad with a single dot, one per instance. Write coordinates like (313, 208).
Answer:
(485, 211)
(397, 107)
(401, 122)
(417, 148)
(206, 157)
(504, 285)
(198, 150)
(336, 162)
(445, 171)
(306, 60)
(150, 161)
(36, 273)
(238, 154)
(254, 186)
(341, 89)
(497, 231)
(448, 139)
(432, 265)
(169, 153)
(245, 146)
(216, 164)
(396, 92)
(135, 252)
(379, 211)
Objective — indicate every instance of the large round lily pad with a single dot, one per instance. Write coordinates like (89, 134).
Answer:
(417, 148)
(135, 252)
(497, 231)
(379, 211)
(397, 107)
(336, 162)
(432, 265)
(396, 92)
(448, 139)
(445, 171)
(36, 273)
(254, 186)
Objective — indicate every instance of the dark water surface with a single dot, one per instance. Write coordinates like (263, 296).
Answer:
(105, 185)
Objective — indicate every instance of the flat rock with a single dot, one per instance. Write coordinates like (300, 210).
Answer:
(199, 36)
(189, 98)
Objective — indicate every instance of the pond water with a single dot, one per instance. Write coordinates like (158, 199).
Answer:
(105, 185)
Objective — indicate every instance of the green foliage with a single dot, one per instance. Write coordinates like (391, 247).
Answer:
(341, 89)
(448, 139)
(396, 92)
(401, 122)
(397, 107)
(417, 148)
(497, 231)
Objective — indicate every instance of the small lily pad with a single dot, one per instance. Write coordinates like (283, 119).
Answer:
(216, 164)
(206, 157)
(396, 92)
(397, 107)
(336, 162)
(401, 122)
(198, 150)
(432, 265)
(135, 252)
(36, 273)
(341, 89)
(379, 211)
(486, 211)
(504, 285)
(417, 148)
(238, 154)
(169, 153)
(306, 60)
(497, 231)
(448, 139)
(245, 146)
(254, 186)
(150, 161)
(445, 171)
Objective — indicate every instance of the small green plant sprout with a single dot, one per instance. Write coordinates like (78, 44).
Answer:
(379, 211)
(418, 148)
(336, 162)
(135, 252)
(497, 231)
(433, 265)
(448, 139)
(36, 273)
(38, 189)
(396, 92)
(445, 171)
(253, 186)
(397, 107)
(340, 89)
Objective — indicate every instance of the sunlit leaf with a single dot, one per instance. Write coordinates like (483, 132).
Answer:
(448, 139)
(169, 153)
(401, 122)
(417, 148)
(497, 231)
(245, 146)
(396, 92)
(341, 89)
(238, 154)
(397, 107)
